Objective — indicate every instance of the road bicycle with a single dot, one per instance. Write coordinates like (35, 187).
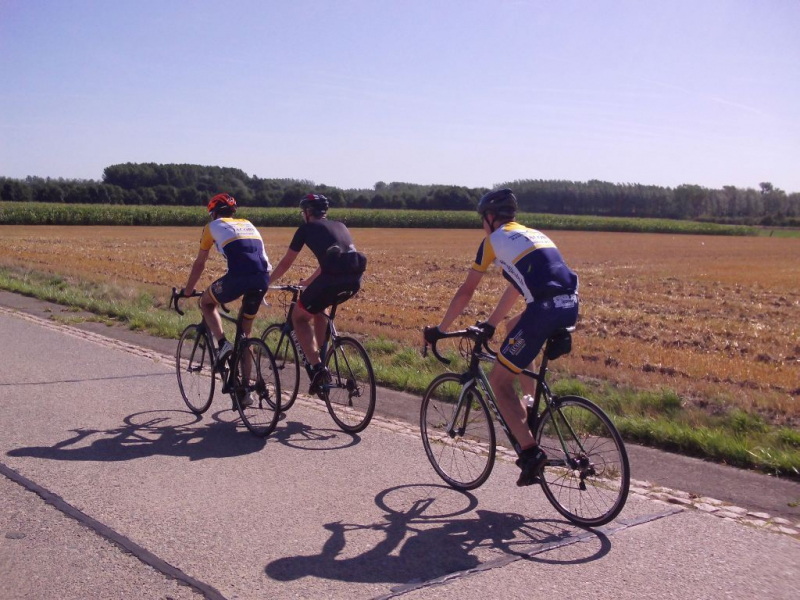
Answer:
(349, 390)
(249, 374)
(587, 474)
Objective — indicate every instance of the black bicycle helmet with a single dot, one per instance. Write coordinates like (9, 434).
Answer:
(314, 202)
(502, 202)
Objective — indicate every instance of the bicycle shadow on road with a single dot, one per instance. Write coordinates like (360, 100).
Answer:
(153, 433)
(305, 437)
(428, 532)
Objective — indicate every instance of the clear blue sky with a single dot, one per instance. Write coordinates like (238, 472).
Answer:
(350, 92)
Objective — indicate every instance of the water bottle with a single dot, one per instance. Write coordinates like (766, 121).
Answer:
(528, 400)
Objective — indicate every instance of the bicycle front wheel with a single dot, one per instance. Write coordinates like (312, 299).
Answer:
(257, 388)
(587, 476)
(458, 437)
(350, 392)
(193, 365)
(287, 361)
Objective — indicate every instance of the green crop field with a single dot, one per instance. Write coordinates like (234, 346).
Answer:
(35, 213)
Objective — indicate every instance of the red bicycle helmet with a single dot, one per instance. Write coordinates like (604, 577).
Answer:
(315, 202)
(221, 200)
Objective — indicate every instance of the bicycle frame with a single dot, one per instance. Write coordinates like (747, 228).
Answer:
(288, 327)
(227, 377)
(476, 375)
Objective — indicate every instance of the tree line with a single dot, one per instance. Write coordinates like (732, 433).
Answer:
(192, 185)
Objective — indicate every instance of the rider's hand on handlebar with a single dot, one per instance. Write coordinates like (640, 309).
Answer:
(432, 334)
(488, 330)
(186, 293)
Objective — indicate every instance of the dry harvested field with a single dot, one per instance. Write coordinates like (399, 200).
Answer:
(715, 318)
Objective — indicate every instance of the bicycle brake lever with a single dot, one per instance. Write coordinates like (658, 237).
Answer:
(425, 351)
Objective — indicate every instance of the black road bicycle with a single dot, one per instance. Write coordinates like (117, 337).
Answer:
(587, 475)
(349, 392)
(249, 374)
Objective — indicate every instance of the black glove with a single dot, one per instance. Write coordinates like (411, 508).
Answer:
(488, 330)
(432, 334)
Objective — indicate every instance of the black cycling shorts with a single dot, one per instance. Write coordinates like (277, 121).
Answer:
(327, 290)
(252, 286)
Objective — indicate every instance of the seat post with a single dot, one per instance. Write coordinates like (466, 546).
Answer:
(543, 366)
(330, 332)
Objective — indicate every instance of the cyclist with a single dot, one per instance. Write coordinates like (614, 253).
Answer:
(240, 243)
(536, 271)
(336, 279)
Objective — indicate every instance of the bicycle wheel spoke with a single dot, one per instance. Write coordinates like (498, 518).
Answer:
(463, 460)
(591, 485)
(287, 362)
(257, 388)
(350, 391)
(193, 368)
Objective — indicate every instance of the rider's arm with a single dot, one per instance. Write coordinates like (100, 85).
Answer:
(283, 266)
(461, 298)
(197, 270)
(505, 304)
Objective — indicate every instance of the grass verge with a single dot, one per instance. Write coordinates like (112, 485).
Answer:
(658, 418)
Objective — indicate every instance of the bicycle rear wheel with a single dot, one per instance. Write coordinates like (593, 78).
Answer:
(461, 447)
(287, 361)
(257, 388)
(589, 484)
(193, 365)
(350, 393)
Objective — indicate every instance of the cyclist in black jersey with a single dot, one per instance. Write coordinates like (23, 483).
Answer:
(536, 271)
(336, 279)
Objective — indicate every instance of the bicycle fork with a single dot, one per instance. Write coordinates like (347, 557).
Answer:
(580, 462)
(452, 430)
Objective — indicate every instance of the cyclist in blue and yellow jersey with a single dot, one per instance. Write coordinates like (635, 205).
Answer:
(240, 243)
(336, 279)
(536, 271)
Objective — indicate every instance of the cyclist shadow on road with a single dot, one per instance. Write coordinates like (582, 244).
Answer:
(421, 539)
(175, 433)
(154, 433)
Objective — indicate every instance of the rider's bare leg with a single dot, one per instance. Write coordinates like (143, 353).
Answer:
(247, 365)
(510, 405)
(320, 330)
(301, 319)
(208, 306)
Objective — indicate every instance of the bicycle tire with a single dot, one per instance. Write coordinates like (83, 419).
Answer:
(259, 379)
(464, 460)
(287, 361)
(350, 392)
(194, 360)
(590, 486)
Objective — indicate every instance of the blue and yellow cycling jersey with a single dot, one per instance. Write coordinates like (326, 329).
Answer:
(239, 242)
(530, 261)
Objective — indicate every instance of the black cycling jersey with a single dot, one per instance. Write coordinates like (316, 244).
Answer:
(320, 235)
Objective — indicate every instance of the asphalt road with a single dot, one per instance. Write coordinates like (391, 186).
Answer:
(111, 488)
(758, 492)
